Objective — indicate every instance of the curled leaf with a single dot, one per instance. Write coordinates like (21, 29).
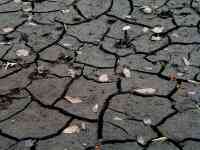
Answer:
(146, 91)
(73, 100)
(71, 129)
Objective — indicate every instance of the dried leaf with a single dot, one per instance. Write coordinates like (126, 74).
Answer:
(160, 139)
(147, 121)
(29, 143)
(103, 78)
(173, 76)
(140, 140)
(71, 129)
(72, 73)
(147, 9)
(117, 118)
(22, 52)
(145, 29)
(125, 28)
(95, 108)
(17, 1)
(155, 38)
(83, 126)
(146, 91)
(8, 29)
(186, 61)
(193, 82)
(126, 72)
(158, 29)
(73, 100)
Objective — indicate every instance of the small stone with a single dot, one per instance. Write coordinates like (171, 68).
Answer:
(83, 126)
(65, 11)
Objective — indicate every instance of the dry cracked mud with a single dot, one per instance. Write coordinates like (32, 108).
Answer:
(70, 43)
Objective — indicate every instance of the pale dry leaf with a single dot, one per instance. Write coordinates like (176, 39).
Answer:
(65, 11)
(22, 52)
(155, 38)
(140, 140)
(83, 126)
(95, 108)
(145, 29)
(147, 9)
(193, 82)
(73, 100)
(8, 29)
(158, 29)
(125, 28)
(117, 118)
(147, 121)
(126, 72)
(17, 1)
(29, 143)
(146, 91)
(72, 73)
(71, 129)
(186, 61)
(160, 139)
(103, 78)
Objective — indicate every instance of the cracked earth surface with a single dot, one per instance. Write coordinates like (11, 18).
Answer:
(70, 44)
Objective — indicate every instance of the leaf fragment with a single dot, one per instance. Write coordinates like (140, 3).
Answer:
(158, 29)
(7, 29)
(71, 129)
(103, 78)
(147, 9)
(73, 100)
(146, 91)
(22, 52)
(160, 139)
(186, 61)
(126, 72)
(95, 108)
(125, 28)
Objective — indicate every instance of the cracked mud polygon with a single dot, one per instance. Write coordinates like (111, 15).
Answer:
(79, 48)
